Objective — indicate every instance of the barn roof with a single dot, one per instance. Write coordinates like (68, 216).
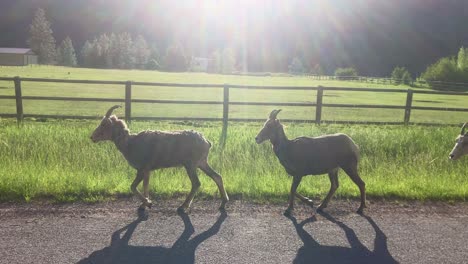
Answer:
(16, 51)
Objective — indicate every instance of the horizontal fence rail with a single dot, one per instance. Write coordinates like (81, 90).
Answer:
(127, 86)
(366, 79)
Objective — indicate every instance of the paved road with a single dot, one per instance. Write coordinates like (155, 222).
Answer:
(115, 233)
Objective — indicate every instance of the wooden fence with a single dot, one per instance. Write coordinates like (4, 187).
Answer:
(437, 85)
(408, 107)
(365, 79)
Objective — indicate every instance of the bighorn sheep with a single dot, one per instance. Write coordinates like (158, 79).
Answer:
(461, 144)
(151, 150)
(312, 156)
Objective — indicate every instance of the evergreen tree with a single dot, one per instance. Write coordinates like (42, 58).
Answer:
(66, 53)
(107, 55)
(228, 61)
(154, 58)
(40, 39)
(142, 52)
(175, 59)
(85, 54)
(296, 66)
(462, 59)
(96, 54)
(124, 47)
(215, 65)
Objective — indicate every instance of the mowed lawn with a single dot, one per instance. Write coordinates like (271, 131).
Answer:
(216, 94)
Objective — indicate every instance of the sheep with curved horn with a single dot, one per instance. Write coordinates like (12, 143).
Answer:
(461, 144)
(312, 156)
(152, 150)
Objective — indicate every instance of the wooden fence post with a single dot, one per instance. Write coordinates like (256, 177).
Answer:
(19, 100)
(225, 114)
(128, 101)
(409, 102)
(318, 107)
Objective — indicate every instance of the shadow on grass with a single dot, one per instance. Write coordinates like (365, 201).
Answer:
(313, 252)
(182, 251)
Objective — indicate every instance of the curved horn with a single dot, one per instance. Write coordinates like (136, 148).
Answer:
(109, 112)
(463, 129)
(274, 113)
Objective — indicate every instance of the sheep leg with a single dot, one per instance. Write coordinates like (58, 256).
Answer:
(305, 200)
(133, 187)
(146, 201)
(218, 180)
(292, 194)
(192, 173)
(354, 175)
(333, 175)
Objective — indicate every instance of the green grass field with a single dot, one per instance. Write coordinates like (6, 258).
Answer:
(214, 94)
(56, 159)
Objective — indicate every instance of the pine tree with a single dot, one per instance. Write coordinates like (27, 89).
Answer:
(125, 58)
(85, 54)
(296, 66)
(154, 58)
(215, 62)
(142, 52)
(66, 53)
(40, 39)
(462, 59)
(228, 61)
(175, 59)
(107, 45)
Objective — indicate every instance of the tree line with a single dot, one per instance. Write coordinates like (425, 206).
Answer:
(117, 51)
(124, 51)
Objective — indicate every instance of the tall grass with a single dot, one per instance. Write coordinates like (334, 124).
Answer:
(57, 160)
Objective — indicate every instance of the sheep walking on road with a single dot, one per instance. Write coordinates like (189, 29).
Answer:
(312, 156)
(461, 145)
(152, 150)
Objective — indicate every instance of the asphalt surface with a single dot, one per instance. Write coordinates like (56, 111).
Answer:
(115, 232)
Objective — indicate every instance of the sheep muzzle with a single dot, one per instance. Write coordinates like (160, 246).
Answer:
(460, 148)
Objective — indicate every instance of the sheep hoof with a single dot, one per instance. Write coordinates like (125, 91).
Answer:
(321, 207)
(149, 203)
(309, 202)
(360, 210)
(182, 210)
(222, 210)
(222, 207)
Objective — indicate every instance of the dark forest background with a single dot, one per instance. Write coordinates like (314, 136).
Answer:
(373, 36)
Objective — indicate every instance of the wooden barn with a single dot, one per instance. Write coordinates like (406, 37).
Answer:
(17, 57)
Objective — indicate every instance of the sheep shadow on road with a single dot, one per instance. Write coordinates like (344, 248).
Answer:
(313, 252)
(182, 251)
